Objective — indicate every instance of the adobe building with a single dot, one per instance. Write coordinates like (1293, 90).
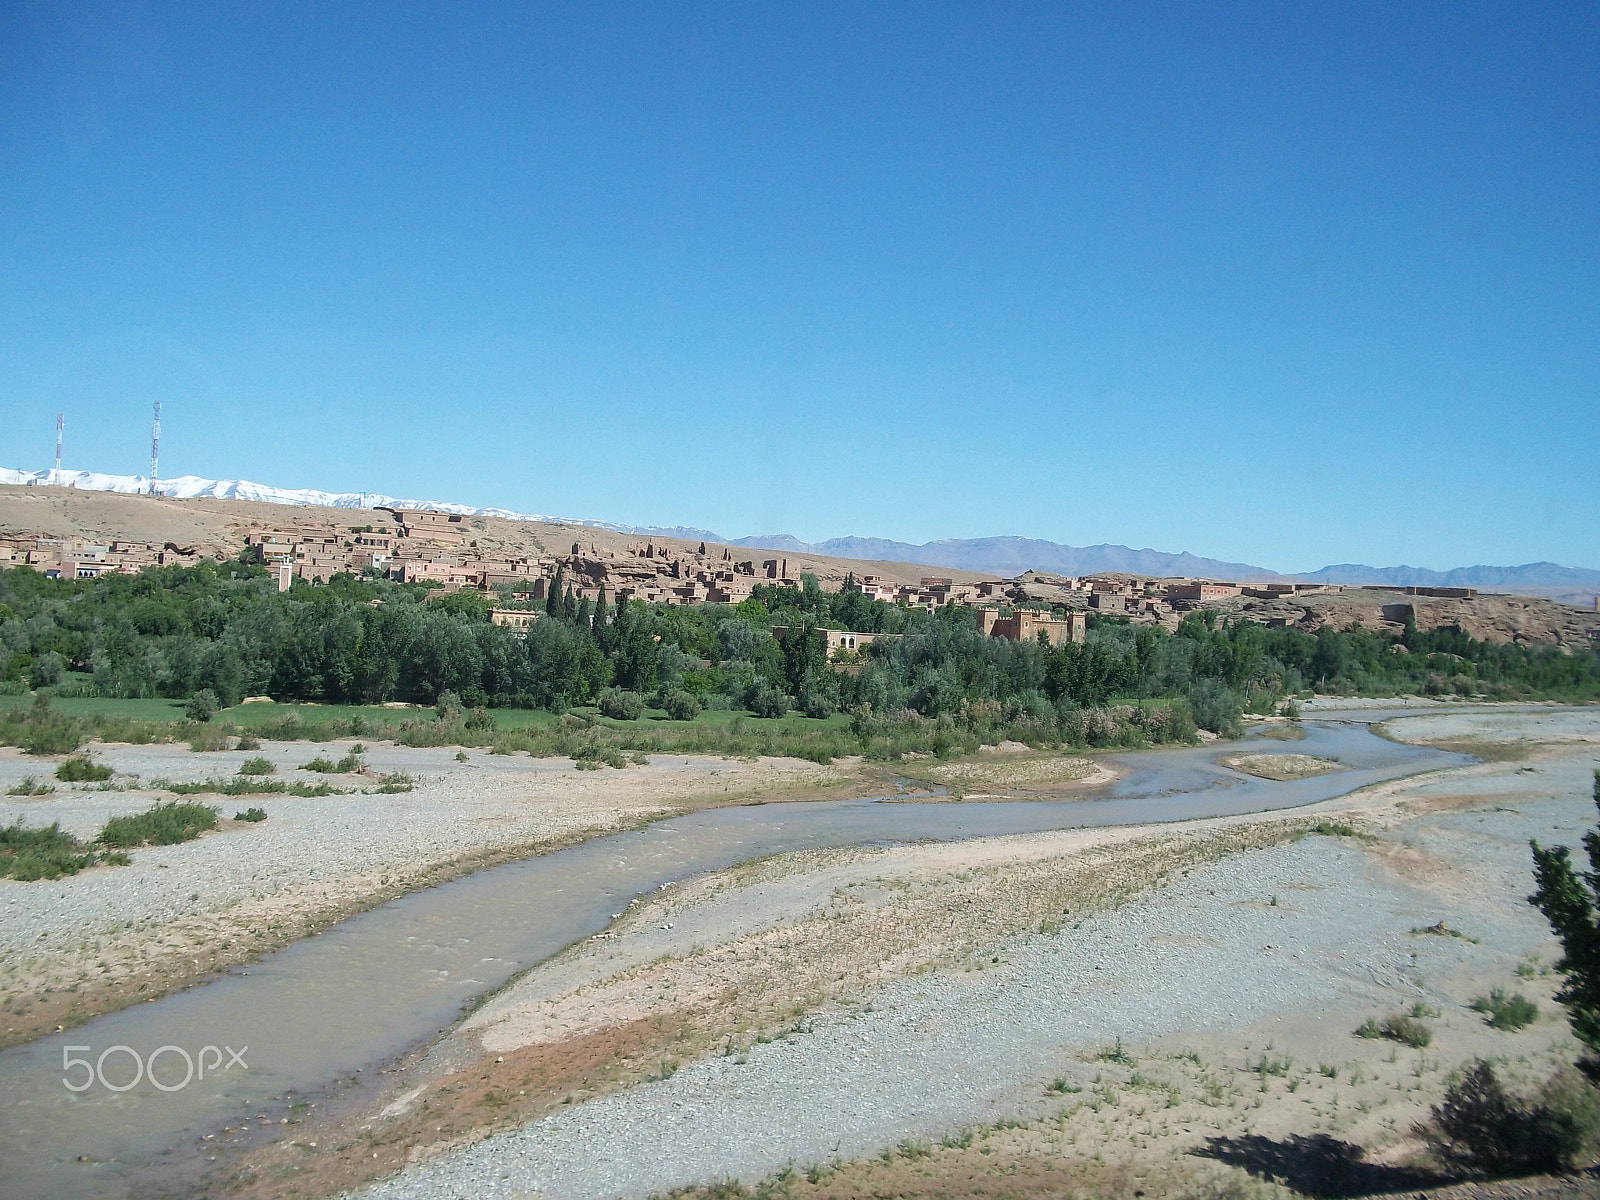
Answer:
(1026, 624)
(518, 619)
(1201, 590)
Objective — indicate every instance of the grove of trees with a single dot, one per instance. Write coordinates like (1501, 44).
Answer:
(175, 632)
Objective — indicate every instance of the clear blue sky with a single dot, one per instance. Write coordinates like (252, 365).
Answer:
(1289, 284)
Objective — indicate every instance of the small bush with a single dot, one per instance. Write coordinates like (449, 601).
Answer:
(47, 853)
(28, 786)
(1481, 1129)
(323, 765)
(256, 766)
(1506, 1012)
(448, 706)
(41, 730)
(397, 782)
(816, 706)
(1407, 1029)
(82, 769)
(479, 720)
(248, 742)
(680, 705)
(202, 706)
(251, 814)
(163, 825)
(1397, 1027)
(621, 705)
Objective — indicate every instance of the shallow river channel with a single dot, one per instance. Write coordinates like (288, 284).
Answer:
(318, 1013)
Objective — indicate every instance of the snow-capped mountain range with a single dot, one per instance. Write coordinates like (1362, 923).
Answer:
(189, 487)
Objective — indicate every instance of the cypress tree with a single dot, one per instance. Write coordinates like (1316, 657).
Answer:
(569, 606)
(552, 602)
(600, 610)
(585, 612)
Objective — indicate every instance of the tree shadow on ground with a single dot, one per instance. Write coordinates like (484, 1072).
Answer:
(1317, 1165)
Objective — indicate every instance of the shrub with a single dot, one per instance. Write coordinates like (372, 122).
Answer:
(1407, 1029)
(39, 729)
(1506, 1011)
(1216, 707)
(256, 766)
(394, 783)
(816, 705)
(448, 706)
(163, 825)
(1481, 1129)
(29, 787)
(621, 705)
(251, 814)
(47, 853)
(1397, 1027)
(82, 769)
(480, 720)
(248, 741)
(202, 706)
(324, 765)
(680, 705)
(766, 701)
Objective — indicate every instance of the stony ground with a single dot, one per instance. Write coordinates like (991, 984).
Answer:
(1103, 1000)
(88, 942)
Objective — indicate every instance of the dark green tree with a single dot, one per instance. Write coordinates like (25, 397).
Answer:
(600, 612)
(569, 606)
(552, 603)
(804, 655)
(1570, 901)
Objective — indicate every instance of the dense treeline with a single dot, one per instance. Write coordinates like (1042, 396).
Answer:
(176, 631)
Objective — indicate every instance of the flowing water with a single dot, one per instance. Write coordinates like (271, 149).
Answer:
(326, 1009)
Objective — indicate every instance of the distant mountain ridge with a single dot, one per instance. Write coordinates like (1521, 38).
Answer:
(1000, 556)
(1009, 556)
(1534, 574)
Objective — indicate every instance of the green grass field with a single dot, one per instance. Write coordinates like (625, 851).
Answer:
(94, 706)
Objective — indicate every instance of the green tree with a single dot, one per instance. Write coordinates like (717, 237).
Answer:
(552, 603)
(1570, 901)
(600, 612)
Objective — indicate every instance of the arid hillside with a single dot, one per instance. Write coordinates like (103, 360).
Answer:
(218, 528)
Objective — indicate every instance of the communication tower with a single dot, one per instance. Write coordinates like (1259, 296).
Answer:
(155, 446)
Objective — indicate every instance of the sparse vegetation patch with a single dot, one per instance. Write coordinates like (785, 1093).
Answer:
(162, 825)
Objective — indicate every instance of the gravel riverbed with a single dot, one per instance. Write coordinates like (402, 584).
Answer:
(1316, 934)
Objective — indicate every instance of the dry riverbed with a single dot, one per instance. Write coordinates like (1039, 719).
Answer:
(1114, 1010)
(91, 942)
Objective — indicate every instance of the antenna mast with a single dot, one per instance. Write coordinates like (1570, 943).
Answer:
(60, 421)
(155, 447)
